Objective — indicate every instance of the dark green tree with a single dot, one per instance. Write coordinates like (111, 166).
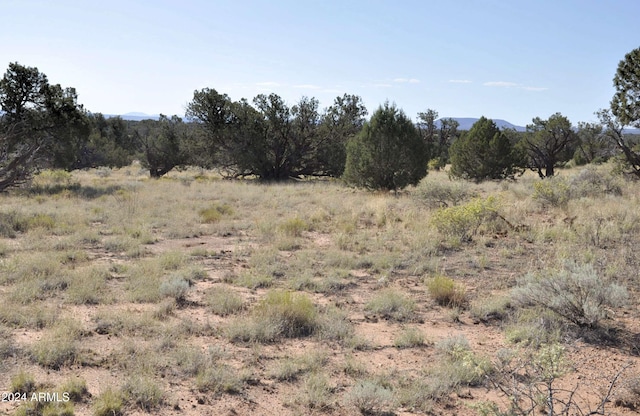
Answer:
(41, 125)
(549, 143)
(340, 122)
(484, 152)
(270, 140)
(388, 153)
(625, 109)
(162, 144)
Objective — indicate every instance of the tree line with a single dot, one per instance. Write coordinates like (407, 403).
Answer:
(42, 125)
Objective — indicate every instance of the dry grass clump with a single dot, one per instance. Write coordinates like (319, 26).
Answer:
(109, 403)
(215, 213)
(278, 314)
(447, 292)
(143, 392)
(392, 304)
(369, 397)
(223, 301)
(410, 338)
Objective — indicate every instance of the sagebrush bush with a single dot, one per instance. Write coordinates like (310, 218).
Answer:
(442, 194)
(447, 292)
(369, 397)
(577, 293)
(460, 365)
(176, 287)
(462, 221)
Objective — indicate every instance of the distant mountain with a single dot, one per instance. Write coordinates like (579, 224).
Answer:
(467, 122)
(135, 116)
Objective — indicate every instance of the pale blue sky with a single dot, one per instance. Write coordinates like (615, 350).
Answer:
(513, 60)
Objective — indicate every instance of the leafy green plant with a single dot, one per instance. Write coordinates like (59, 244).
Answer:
(462, 221)
(553, 191)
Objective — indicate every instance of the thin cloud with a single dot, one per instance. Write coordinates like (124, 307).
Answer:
(506, 84)
(502, 84)
(460, 81)
(407, 80)
(382, 85)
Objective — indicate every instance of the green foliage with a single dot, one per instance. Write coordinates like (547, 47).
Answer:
(484, 152)
(41, 124)
(462, 221)
(162, 144)
(271, 140)
(549, 143)
(554, 192)
(447, 292)
(575, 293)
(388, 153)
(625, 104)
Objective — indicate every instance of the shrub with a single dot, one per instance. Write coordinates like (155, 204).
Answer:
(55, 352)
(278, 314)
(460, 365)
(294, 227)
(576, 293)
(462, 221)
(223, 301)
(109, 403)
(369, 397)
(387, 154)
(77, 389)
(176, 287)
(391, 304)
(215, 213)
(143, 392)
(218, 379)
(553, 191)
(494, 308)
(447, 292)
(295, 313)
(315, 392)
(23, 383)
(409, 338)
(442, 194)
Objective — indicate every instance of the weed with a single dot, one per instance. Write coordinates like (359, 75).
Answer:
(447, 292)
(315, 392)
(23, 383)
(410, 338)
(176, 288)
(219, 379)
(215, 213)
(391, 304)
(463, 221)
(554, 191)
(576, 293)
(294, 227)
(442, 194)
(109, 403)
(223, 301)
(143, 392)
(77, 389)
(369, 397)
